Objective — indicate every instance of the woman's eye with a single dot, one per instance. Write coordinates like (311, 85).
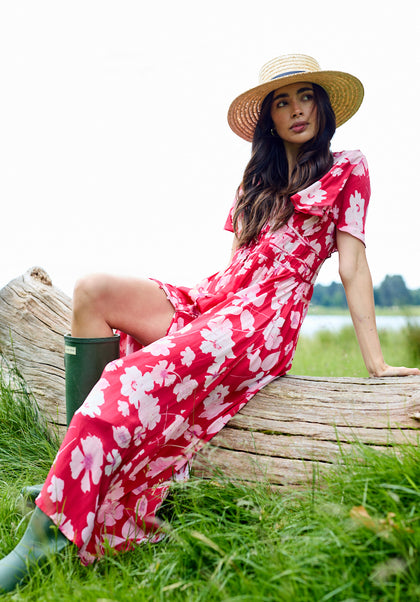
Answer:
(281, 103)
(307, 97)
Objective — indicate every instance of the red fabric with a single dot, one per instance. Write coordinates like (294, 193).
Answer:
(231, 335)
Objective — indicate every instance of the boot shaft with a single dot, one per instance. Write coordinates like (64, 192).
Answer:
(84, 361)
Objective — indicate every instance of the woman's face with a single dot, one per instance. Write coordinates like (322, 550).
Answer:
(294, 113)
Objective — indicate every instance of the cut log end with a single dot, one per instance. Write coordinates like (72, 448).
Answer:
(40, 275)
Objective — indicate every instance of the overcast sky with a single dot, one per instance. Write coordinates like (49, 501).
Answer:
(115, 151)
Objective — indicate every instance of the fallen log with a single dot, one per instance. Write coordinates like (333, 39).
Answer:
(299, 424)
(295, 424)
(34, 316)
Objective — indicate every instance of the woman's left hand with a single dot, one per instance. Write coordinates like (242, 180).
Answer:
(396, 371)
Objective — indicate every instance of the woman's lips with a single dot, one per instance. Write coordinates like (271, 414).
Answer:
(299, 127)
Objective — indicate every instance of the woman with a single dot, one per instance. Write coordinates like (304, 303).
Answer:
(191, 358)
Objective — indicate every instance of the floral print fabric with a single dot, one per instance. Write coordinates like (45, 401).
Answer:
(156, 406)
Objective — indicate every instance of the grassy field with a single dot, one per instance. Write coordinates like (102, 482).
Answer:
(337, 353)
(353, 537)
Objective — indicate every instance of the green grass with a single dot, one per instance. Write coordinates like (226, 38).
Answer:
(337, 353)
(354, 537)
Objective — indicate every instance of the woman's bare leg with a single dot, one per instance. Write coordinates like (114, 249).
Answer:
(136, 306)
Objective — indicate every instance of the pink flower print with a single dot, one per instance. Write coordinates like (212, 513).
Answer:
(135, 384)
(177, 324)
(261, 273)
(184, 389)
(91, 406)
(254, 359)
(87, 461)
(229, 310)
(310, 260)
(336, 171)
(139, 464)
(247, 323)
(246, 265)
(335, 213)
(124, 408)
(219, 424)
(87, 531)
(295, 319)
(175, 429)
(270, 361)
(250, 295)
(213, 404)
(194, 433)
(313, 195)
(160, 347)
(311, 225)
(354, 214)
(163, 373)
(187, 356)
(116, 491)
(360, 169)
(182, 475)
(149, 411)
(283, 291)
(122, 436)
(272, 334)
(131, 530)
(139, 434)
(110, 511)
(114, 460)
(65, 525)
(342, 157)
(55, 489)
(141, 506)
(250, 384)
(301, 291)
(354, 157)
(217, 341)
(157, 466)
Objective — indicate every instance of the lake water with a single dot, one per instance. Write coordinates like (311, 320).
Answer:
(313, 324)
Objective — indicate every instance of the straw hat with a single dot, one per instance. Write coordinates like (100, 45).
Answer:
(345, 91)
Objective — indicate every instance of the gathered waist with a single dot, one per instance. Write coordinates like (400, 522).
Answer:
(303, 266)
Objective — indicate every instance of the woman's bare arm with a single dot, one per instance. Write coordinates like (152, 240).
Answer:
(357, 282)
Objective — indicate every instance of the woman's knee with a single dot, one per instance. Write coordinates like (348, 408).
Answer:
(90, 293)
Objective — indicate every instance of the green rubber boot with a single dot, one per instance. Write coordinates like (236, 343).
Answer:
(40, 540)
(84, 361)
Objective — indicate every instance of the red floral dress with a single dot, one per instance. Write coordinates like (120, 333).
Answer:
(156, 406)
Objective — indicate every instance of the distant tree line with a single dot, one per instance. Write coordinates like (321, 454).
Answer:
(391, 292)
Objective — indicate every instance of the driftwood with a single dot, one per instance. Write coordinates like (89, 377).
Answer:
(301, 423)
(34, 316)
(295, 424)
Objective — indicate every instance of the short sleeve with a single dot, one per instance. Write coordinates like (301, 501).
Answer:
(229, 221)
(352, 202)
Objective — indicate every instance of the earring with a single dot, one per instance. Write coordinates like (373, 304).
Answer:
(273, 132)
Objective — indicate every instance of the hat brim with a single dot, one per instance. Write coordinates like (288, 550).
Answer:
(344, 90)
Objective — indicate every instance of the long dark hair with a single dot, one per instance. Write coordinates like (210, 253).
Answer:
(266, 188)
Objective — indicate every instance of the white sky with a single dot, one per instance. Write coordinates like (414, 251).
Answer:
(115, 151)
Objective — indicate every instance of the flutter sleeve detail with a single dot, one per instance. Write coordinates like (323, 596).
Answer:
(350, 209)
(229, 220)
(344, 190)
